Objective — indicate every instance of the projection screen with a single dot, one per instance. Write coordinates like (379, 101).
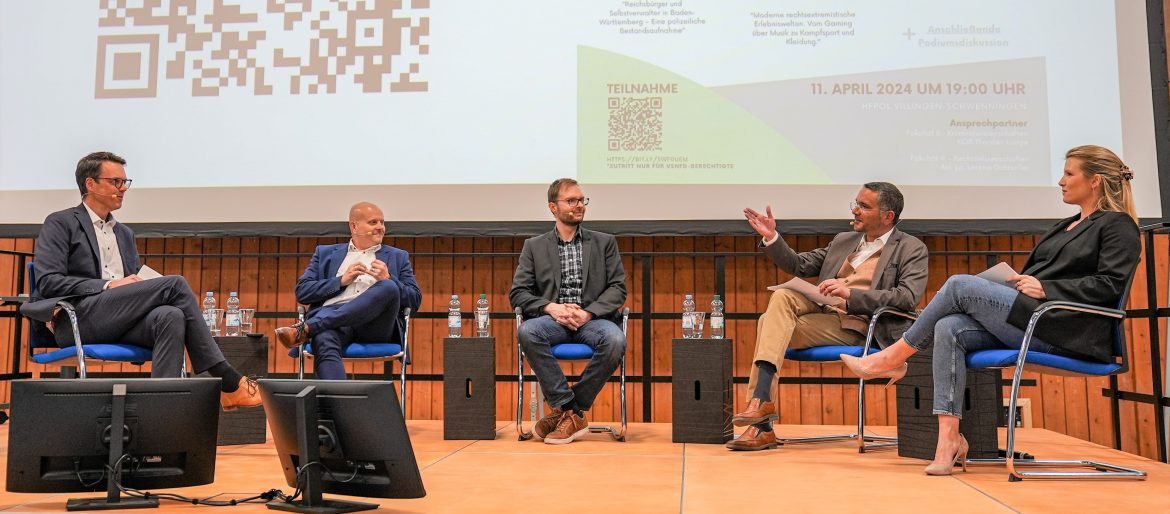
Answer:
(444, 110)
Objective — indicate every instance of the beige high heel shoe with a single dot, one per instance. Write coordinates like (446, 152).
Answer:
(895, 374)
(949, 467)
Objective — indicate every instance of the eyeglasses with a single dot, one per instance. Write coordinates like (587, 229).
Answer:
(117, 182)
(573, 202)
(854, 205)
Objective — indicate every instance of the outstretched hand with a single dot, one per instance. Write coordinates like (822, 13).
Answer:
(765, 225)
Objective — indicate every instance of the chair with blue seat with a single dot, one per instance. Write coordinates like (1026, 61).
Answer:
(564, 352)
(1049, 363)
(833, 354)
(374, 351)
(43, 349)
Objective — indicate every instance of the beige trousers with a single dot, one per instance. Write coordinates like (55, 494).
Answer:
(793, 321)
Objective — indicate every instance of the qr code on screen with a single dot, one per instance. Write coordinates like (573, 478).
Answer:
(635, 124)
(260, 47)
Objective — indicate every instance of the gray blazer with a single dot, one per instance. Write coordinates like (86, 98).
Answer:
(67, 261)
(899, 280)
(538, 276)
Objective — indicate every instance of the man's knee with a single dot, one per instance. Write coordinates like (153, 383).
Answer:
(612, 343)
(534, 331)
(167, 316)
(387, 290)
(784, 301)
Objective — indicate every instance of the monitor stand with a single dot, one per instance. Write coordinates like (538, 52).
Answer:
(114, 498)
(308, 445)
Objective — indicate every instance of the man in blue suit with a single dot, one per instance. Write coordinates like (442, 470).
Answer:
(86, 257)
(355, 292)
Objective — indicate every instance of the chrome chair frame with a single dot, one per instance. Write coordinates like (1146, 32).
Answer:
(536, 402)
(864, 442)
(403, 356)
(1104, 470)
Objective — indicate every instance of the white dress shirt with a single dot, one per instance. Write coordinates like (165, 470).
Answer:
(868, 248)
(108, 252)
(363, 281)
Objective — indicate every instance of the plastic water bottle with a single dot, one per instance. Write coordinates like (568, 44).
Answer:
(716, 318)
(688, 323)
(483, 321)
(231, 317)
(454, 318)
(209, 313)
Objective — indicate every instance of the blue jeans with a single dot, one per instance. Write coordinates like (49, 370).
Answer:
(372, 316)
(968, 314)
(537, 336)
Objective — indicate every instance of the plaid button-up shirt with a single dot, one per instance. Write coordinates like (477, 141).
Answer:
(572, 265)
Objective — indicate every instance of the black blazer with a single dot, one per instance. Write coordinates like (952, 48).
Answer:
(538, 276)
(67, 261)
(1094, 266)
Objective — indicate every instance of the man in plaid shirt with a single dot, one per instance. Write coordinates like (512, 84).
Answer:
(570, 286)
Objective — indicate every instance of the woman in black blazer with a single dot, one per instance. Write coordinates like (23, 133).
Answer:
(1087, 258)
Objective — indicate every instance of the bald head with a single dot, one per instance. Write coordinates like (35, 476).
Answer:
(367, 227)
(362, 210)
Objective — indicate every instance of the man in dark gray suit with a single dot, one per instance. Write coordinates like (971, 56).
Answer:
(875, 265)
(570, 286)
(86, 257)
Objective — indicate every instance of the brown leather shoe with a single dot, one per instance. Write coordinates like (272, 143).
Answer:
(569, 427)
(548, 423)
(752, 440)
(294, 335)
(248, 395)
(757, 411)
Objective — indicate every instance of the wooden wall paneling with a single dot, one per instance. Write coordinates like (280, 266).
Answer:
(1140, 360)
(249, 277)
(268, 299)
(1161, 252)
(685, 270)
(724, 244)
(504, 330)
(288, 270)
(424, 332)
(666, 298)
(635, 391)
(1070, 405)
(633, 296)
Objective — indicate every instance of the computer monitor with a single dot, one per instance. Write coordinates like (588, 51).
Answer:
(357, 431)
(62, 435)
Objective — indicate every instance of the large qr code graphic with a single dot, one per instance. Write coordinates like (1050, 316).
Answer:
(635, 124)
(261, 47)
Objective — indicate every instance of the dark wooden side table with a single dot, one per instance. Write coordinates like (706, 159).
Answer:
(918, 426)
(702, 391)
(469, 388)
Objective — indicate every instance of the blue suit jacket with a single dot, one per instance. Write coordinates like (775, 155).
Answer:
(67, 261)
(320, 282)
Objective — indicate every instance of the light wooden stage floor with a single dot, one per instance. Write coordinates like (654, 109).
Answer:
(648, 473)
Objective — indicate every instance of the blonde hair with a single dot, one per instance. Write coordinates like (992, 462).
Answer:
(1116, 194)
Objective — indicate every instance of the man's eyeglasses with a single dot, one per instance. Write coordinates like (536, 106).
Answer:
(855, 205)
(573, 202)
(117, 182)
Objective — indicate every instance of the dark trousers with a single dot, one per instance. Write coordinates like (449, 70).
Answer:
(160, 314)
(372, 316)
